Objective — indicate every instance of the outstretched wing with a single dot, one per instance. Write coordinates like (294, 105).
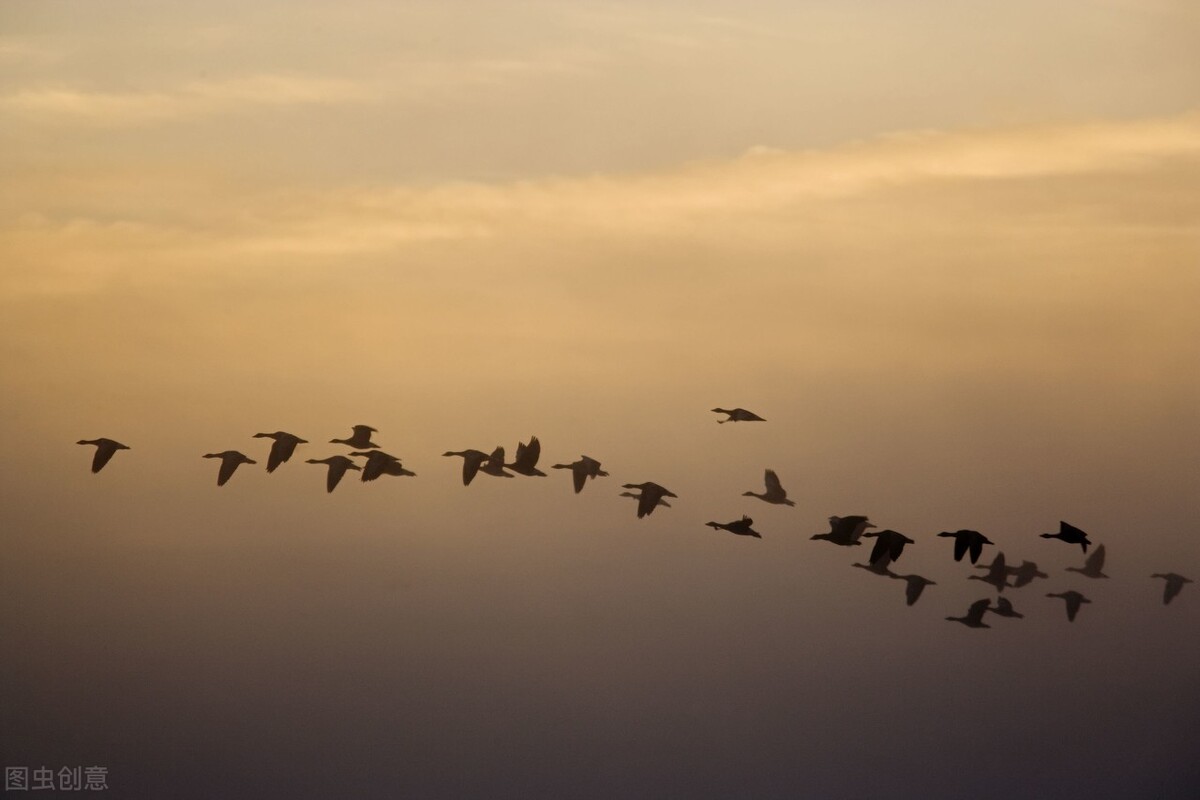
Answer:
(772, 481)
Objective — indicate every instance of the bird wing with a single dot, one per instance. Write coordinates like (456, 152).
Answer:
(976, 544)
(533, 451)
(228, 465)
(977, 609)
(104, 452)
(280, 452)
(471, 464)
(880, 550)
(773, 484)
(913, 589)
(579, 475)
(960, 547)
(1095, 562)
(646, 503)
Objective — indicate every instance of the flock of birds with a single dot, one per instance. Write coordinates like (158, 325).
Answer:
(848, 531)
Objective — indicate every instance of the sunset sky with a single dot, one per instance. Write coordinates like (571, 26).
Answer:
(950, 251)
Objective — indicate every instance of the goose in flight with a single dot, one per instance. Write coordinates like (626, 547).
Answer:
(1174, 585)
(775, 492)
(1069, 534)
(889, 545)
(230, 460)
(1093, 565)
(914, 585)
(494, 464)
(997, 574)
(337, 468)
(661, 501)
(741, 527)
(845, 531)
(381, 463)
(878, 567)
(974, 616)
(583, 469)
(105, 448)
(360, 439)
(527, 457)
(737, 415)
(1005, 608)
(472, 461)
(282, 448)
(964, 541)
(1024, 574)
(651, 493)
(1074, 601)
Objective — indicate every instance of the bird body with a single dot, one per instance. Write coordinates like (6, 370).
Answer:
(337, 468)
(737, 415)
(1174, 585)
(845, 531)
(583, 469)
(651, 494)
(472, 461)
(360, 439)
(1069, 534)
(775, 492)
(741, 527)
(1093, 565)
(974, 616)
(282, 448)
(1074, 601)
(105, 449)
(230, 461)
(527, 457)
(967, 541)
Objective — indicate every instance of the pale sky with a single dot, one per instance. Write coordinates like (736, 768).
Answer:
(949, 250)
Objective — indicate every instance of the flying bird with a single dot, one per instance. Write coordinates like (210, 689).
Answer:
(282, 448)
(1025, 574)
(845, 531)
(494, 464)
(661, 501)
(337, 468)
(1093, 565)
(380, 463)
(974, 616)
(915, 584)
(1069, 534)
(775, 492)
(583, 469)
(360, 439)
(965, 541)
(738, 415)
(472, 461)
(997, 574)
(527, 457)
(651, 493)
(878, 567)
(889, 544)
(105, 448)
(230, 460)
(1174, 585)
(1005, 608)
(1074, 600)
(741, 527)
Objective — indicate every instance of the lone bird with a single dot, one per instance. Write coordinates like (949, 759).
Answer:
(1069, 534)
(105, 448)
(360, 439)
(494, 464)
(1174, 585)
(472, 461)
(337, 468)
(527, 457)
(1093, 565)
(964, 541)
(1025, 574)
(1074, 601)
(889, 545)
(737, 415)
(651, 493)
(775, 492)
(915, 584)
(845, 531)
(282, 449)
(1005, 608)
(583, 469)
(661, 501)
(741, 527)
(974, 617)
(380, 463)
(997, 574)
(230, 460)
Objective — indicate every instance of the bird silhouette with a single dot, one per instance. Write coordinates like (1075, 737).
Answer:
(661, 501)
(494, 464)
(741, 527)
(974, 616)
(845, 531)
(583, 469)
(1005, 608)
(472, 461)
(651, 493)
(1024, 574)
(527, 457)
(1174, 585)
(282, 448)
(738, 415)
(230, 460)
(877, 567)
(360, 439)
(337, 468)
(1092, 565)
(105, 448)
(379, 464)
(997, 574)
(964, 541)
(1074, 600)
(775, 492)
(914, 586)
(1070, 534)
(888, 543)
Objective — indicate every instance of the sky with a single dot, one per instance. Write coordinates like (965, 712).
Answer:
(948, 250)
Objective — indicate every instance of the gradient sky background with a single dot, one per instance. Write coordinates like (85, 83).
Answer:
(951, 251)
